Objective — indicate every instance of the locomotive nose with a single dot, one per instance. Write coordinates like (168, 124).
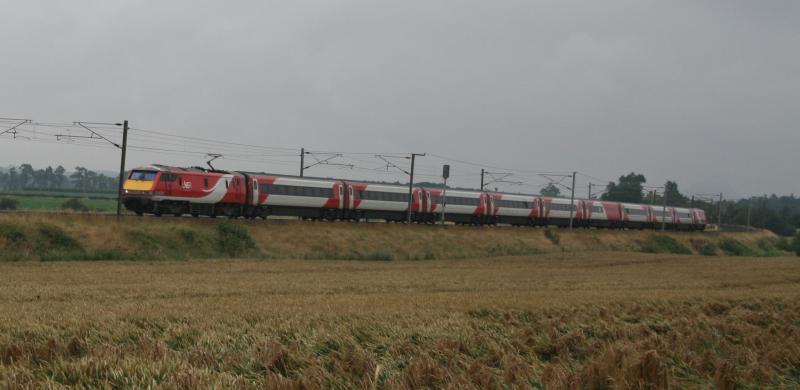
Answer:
(139, 181)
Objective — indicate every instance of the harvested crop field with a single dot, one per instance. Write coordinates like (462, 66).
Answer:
(556, 320)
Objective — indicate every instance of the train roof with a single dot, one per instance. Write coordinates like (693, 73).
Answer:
(160, 167)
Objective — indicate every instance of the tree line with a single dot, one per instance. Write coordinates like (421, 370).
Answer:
(26, 177)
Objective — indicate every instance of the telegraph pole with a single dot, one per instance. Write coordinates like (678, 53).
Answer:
(302, 160)
(590, 190)
(122, 167)
(749, 204)
(664, 210)
(719, 212)
(482, 172)
(572, 201)
(411, 184)
(445, 175)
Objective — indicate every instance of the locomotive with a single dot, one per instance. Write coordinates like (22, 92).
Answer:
(159, 189)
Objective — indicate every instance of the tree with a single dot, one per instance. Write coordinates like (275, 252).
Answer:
(674, 197)
(26, 173)
(60, 176)
(91, 180)
(629, 189)
(550, 190)
(13, 179)
(49, 177)
(79, 177)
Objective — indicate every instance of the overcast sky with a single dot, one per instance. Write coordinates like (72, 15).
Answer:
(706, 93)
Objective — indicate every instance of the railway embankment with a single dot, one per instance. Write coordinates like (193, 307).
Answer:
(46, 237)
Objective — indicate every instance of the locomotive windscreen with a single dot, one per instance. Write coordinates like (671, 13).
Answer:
(143, 175)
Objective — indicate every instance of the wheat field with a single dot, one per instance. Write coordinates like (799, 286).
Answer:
(558, 320)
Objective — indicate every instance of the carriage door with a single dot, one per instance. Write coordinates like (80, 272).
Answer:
(255, 192)
(351, 201)
(341, 196)
(167, 179)
(428, 206)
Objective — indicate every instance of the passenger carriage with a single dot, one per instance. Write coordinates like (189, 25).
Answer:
(595, 213)
(556, 211)
(516, 210)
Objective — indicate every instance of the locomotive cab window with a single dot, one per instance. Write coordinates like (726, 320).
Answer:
(143, 175)
(168, 177)
(205, 182)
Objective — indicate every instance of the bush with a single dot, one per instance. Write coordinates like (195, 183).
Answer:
(54, 237)
(733, 247)
(795, 246)
(8, 203)
(12, 234)
(234, 239)
(703, 247)
(552, 235)
(75, 204)
(664, 244)
(769, 247)
(784, 244)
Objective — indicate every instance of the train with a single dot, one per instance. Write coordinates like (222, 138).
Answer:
(165, 190)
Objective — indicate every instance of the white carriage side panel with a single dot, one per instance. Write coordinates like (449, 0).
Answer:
(299, 186)
(684, 216)
(462, 209)
(383, 205)
(515, 211)
(597, 211)
(635, 212)
(559, 208)
(662, 215)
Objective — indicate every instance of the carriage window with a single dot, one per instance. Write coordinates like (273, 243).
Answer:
(635, 212)
(383, 196)
(280, 189)
(461, 201)
(561, 207)
(514, 204)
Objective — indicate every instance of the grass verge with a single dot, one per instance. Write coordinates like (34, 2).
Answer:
(87, 236)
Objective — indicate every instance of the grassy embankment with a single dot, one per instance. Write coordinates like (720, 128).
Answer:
(560, 320)
(54, 202)
(88, 237)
